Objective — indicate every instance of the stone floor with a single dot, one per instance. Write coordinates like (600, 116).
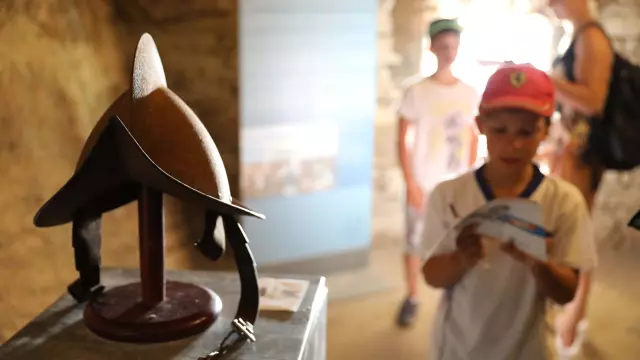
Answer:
(363, 328)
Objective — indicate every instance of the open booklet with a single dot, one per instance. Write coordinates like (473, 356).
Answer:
(518, 220)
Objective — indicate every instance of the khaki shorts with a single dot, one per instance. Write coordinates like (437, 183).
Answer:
(413, 231)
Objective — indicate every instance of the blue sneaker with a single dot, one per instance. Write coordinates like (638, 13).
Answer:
(407, 312)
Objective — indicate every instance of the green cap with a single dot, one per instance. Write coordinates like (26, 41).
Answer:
(440, 25)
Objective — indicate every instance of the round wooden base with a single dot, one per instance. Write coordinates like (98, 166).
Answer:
(119, 315)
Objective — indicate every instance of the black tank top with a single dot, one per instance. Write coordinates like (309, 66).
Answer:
(568, 59)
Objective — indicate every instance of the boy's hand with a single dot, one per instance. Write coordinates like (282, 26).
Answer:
(469, 246)
(511, 249)
(557, 282)
(415, 196)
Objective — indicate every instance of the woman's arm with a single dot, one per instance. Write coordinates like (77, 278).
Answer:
(582, 293)
(592, 69)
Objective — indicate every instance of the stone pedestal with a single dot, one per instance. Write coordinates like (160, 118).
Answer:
(59, 332)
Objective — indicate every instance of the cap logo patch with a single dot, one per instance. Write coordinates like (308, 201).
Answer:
(517, 79)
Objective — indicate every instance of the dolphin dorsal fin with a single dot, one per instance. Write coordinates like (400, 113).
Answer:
(148, 73)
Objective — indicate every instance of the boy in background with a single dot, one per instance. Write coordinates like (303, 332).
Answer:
(437, 140)
(497, 311)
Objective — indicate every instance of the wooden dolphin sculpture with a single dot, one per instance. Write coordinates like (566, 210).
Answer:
(149, 139)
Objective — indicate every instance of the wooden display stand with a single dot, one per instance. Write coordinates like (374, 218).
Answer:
(126, 158)
(152, 310)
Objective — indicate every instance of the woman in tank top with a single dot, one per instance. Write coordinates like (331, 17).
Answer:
(581, 94)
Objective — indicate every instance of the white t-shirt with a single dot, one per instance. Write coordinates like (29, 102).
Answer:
(495, 312)
(441, 115)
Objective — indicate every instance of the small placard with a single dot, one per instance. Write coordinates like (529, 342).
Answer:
(282, 294)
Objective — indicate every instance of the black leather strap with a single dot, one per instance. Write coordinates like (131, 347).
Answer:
(87, 243)
(209, 245)
(242, 330)
(249, 303)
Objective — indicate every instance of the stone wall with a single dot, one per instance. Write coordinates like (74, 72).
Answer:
(61, 64)
(401, 26)
(387, 180)
(55, 83)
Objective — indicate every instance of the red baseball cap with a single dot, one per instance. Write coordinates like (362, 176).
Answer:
(519, 86)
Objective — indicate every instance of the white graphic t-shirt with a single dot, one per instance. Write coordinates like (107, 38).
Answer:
(441, 115)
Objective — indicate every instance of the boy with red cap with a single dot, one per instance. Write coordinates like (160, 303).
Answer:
(497, 311)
